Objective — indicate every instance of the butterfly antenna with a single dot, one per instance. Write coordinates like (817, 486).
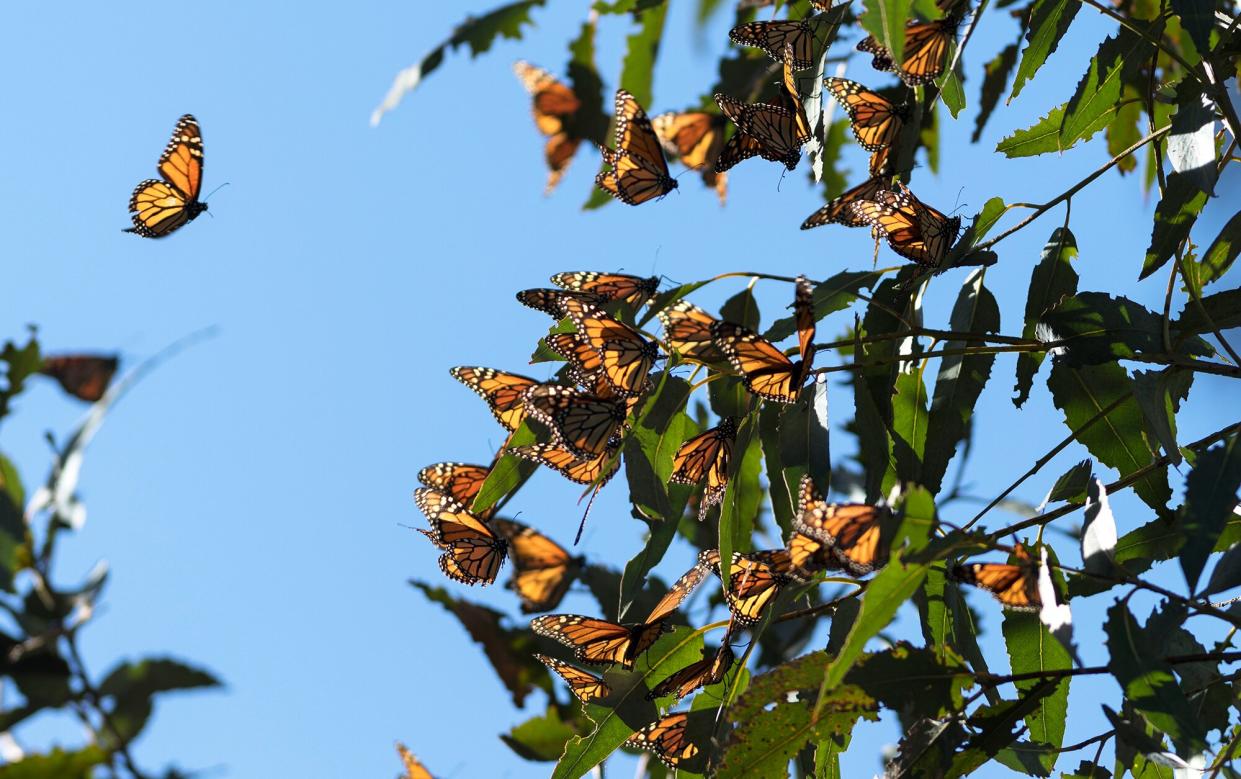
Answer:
(582, 525)
(217, 189)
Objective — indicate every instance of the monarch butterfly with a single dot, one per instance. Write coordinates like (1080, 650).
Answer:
(840, 210)
(639, 171)
(875, 120)
(473, 553)
(709, 670)
(926, 44)
(632, 290)
(741, 147)
(913, 229)
(568, 465)
(504, 392)
(1014, 585)
(667, 738)
(773, 132)
(754, 581)
(808, 556)
(698, 139)
(684, 586)
(881, 164)
(544, 570)
(623, 355)
(687, 329)
(789, 40)
(551, 301)
(84, 376)
(764, 369)
(459, 480)
(586, 687)
(598, 641)
(157, 207)
(553, 104)
(854, 531)
(413, 768)
(704, 459)
(581, 423)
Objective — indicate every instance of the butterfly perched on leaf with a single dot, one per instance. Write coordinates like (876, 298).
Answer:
(704, 459)
(413, 768)
(543, 569)
(925, 50)
(554, 103)
(552, 301)
(668, 738)
(687, 330)
(764, 369)
(774, 132)
(599, 641)
(504, 392)
(84, 376)
(586, 687)
(789, 40)
(639, 170)
(1014, 585)
(697, 138)
(560, 459)
(913, 229)
(853, 531)
(875, 120)
(159, 207)
(473, 552)
(461, 481)
(621, 354)
(707, 671)
(583, 424)
(633, 291)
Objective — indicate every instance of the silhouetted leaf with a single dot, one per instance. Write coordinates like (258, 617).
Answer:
(830, 296)
(508, 474)
(995, 78)
(1176, 213)
(540, 738)
(57, 764)
(1210, 496)
(1223, 251)
(1159, 395)
(1222, 310)
(1071, 485)
(1097, 328)
(909, 424)
(1052, 280)
(1049, 21)
(132, 688)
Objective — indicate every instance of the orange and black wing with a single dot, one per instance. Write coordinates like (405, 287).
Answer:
(460, 480)
(687, 329)
(841, 210)
(854, 531)
(544, 570)
(473, 553)
(704, 459)
(926, 49)
(803, 315)
(639, 170)
(680, 590)
(158, 207)
(552, 301)
(632, 290)
(668, 739)
(764, 369)
(709, 670)
(597, 640)
(876, 121)
(586, 687)
(625, 356)
(84, 376)
(698, 139)
(793, 39)
(754, 581)
(912, 229)
(504, 392)
(569, 465)
(775, 133)
(413, 768)
(582, 423)
(1015, 586)
(554, 102)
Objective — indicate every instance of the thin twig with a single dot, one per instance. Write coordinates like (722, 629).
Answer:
(93, 695)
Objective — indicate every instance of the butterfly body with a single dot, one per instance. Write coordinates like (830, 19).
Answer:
(912, 229)
(853, 531)
(583, 424)
(159, 207)
(599, 641)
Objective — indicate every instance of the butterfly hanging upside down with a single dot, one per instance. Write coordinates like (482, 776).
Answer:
(159, 208)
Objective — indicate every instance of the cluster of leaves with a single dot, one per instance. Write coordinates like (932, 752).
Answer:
(39, 651)
(1119, 374)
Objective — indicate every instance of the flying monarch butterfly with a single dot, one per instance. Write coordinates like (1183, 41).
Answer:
(639, 170)
(598, 641)
(623, 355)
(543, 569)
(707, 671)
(581, 423)
(764, 369)
(704, 459)
(773, 132)
(668, 739)
(473, 553)
(1014, 585)
(840, 210)
(460, 481)
(683, 587)
(157, 207)
(586, 687)
(551, 301)
(925, 50)
(84, 376)
(698, 139)
(913, 229)
(687, 329)
(553, 104)
(560, 459)
(504, 392)
(631, 290)
(854, 531)
(791, 41)
(413, 768)
(875, 120)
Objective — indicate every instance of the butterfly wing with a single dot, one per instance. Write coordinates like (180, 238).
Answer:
(679, 591)
(553, 101)
(632, 290)
(778, 131)
(875, 120)
(583, 424)
(687, 329)
(794, 37)
(570, 466)
(841, 210)
(709, 670)
(740, 147)
(460, 480)
(473, 553)
(596, 640)
(1015, 585)
(803, 315)
(704, 459)
(667, 738)
(552, 301)
(625, 356)
(544, 570)
(504, 392)
(159, 207)
(84, 376)
(413, 768)
(586, 687)
(764, 369)
(753, 583)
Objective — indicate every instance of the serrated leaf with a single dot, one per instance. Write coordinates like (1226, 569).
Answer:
(1098, 93)
(1159, 395)
(1052, 280)
(1223, 251)
(1098, 328)
(1071, 485)
(1222, 310)
(1176, 213)
(1227, 573)
(541, 738)
(1049, 21)
(1210, 497)
(909, 424)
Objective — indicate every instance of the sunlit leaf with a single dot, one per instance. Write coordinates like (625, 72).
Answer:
(1049, 21)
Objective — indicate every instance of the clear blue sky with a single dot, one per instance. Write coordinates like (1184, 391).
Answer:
(248, 495)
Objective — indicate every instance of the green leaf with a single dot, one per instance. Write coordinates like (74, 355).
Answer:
(961, 380)
(744, 495)
(1044, 136)
(1049, 21)
(1176, 213)
(1223, 251)
(1031, 648)
(14, 552)
(479, 33)
(1222, 310)
(591, 119)
(626, 6)
(627, 708)
(1124, 131)
(132, 687)
(1098, 92)
(1100, 328)
(1117, 440)
(981, 224)
(1148, 681)
(886, 19)
(909, 424)
(804, 444)
(1197, 19)
(1227, 572)
(950, 85)
(995, 78)
(541, 738)
(57, 764)
(996, 726)
(914, 682)
(1053, 280)
(948, 624)
(830, 296)
(1072, 484)
(763, 744)
(508, 474)
(781, 489)
(741, 309)
(1210, 495)
(1159, 395)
